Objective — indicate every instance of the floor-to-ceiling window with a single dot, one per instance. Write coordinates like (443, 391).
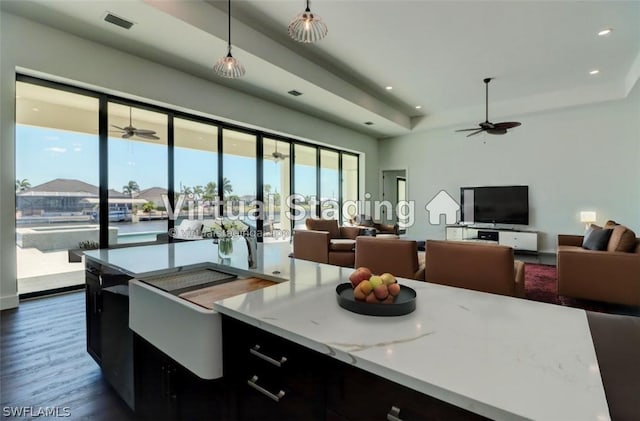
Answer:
(305, 183)
(138, 174)
(56, 167)
(72, 166)
(350, 184)
(195, 169)
(276, 185)
(239, 169)
(330, 184)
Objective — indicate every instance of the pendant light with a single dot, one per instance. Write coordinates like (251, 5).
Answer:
(307, 27)
(229, 66)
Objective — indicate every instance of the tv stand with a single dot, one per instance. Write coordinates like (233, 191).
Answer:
(519, 240)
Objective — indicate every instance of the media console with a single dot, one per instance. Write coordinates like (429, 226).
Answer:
(520, 241)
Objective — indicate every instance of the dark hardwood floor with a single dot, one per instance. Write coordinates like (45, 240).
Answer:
(44, 362)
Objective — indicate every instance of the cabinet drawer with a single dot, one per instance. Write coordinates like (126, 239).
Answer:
(519, 240)
(354, 394)
(273, 377)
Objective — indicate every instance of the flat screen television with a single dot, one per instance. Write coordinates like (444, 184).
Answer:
(495, 204)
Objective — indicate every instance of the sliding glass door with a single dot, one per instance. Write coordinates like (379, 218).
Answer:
(276, 185)
(138, 174)
(195, 156)
(56, 167)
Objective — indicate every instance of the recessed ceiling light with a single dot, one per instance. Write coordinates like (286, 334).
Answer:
(605, 32)
(418, 107)
(369, 123)
(594, 72)
(388, 88)
(35, 109)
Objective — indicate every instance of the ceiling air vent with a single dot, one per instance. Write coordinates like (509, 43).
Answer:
(369, 123)
(294, 92)
(118, 21)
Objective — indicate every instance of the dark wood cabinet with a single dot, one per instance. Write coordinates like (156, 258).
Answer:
(165, 390)
(274, 379)
(354, 394)
(93, 311)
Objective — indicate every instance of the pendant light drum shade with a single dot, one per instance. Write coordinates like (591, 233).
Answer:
(307, 27)
(229, 66)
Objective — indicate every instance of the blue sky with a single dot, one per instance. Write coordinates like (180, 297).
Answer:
(43, 154)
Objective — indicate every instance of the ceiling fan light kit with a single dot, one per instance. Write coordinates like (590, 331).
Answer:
(487, 126)
(307, 27)
(229, 66)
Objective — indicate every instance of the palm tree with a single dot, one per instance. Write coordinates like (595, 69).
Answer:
(226, 186)
(131, 188)
(210, 190)
(198, 191)
(22, 185)
(267, 189)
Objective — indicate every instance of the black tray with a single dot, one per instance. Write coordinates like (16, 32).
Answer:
(405, 302)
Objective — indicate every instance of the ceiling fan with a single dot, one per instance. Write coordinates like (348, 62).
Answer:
(277, 156)
(487, 126)
(129, 131)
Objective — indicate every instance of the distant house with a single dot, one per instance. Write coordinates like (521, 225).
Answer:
(154, 195)
(59, 196)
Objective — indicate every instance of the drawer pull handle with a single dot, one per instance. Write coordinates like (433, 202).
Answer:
(255, 351)
(394, 414)
(253, 383)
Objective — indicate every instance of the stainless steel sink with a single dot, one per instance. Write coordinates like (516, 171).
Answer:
(180, 282)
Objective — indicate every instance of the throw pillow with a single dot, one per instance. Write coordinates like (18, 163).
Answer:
(587, 233)
(610, 224)
(622, 239)
(597, 240)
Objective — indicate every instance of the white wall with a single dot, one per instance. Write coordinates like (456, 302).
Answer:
(27, 44)
(581, 158)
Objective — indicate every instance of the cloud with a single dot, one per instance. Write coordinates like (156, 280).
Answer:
(56, 149)
(77, 149)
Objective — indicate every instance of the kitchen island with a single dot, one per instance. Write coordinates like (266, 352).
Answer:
(499, 357)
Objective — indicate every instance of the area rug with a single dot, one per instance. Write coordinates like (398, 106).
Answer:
(541, 284)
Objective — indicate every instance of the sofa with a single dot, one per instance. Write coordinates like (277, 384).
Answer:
(611, 275)
(368, 224)
(478, 266)
(325, 242)
(399, 257)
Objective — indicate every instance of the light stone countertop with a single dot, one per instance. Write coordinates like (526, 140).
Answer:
(502, 357)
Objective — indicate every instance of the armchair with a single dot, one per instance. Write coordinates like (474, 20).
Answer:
(325, 242)
(481, 267)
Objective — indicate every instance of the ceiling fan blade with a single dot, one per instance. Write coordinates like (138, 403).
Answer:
(497, 131)
(144, 131)
(467, 130)
(507, 125)
(476, 132)
(127, 135)
(146, 136)
(120, 128)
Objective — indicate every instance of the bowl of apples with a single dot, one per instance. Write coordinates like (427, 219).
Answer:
(375, 295)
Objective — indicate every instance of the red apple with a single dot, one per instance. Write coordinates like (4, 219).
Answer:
(359, 275)
(381, 292)
(371, 298)
(394, 289)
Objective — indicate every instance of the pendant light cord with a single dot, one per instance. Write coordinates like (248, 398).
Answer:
(307, 10)
(486, 101)
(229, 28)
